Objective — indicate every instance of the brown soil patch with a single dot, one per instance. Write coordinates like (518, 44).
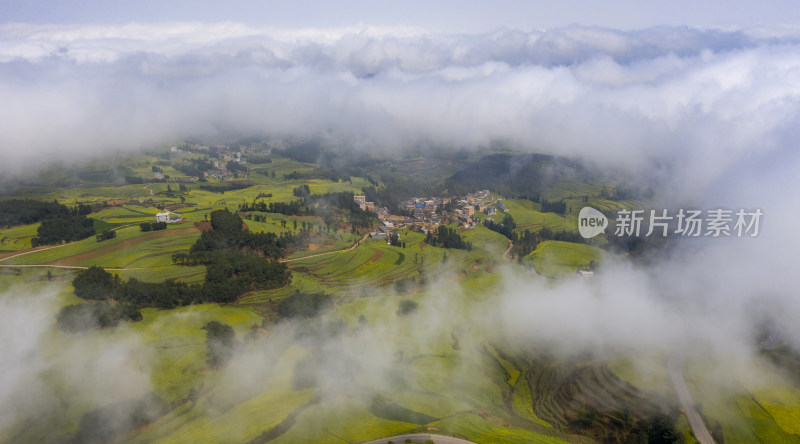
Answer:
(117, 202)
(203, 226)
(175, 206)
(315, 247)
(206, 226)
(129, 243)
(378, 254)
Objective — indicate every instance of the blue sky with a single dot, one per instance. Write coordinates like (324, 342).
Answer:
(444, 15)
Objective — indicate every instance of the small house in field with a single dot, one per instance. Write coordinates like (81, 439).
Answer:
(162, 217)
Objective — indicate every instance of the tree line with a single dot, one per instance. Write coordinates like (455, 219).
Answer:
(152, 226)
(106, 235)
(59, 223)
(28, 211)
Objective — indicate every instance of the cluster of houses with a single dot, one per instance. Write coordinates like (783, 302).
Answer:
(220, 169)
(427, 213)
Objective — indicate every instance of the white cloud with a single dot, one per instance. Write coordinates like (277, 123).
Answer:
(689, 97)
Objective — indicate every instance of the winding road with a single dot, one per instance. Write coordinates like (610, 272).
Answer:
(699, 429)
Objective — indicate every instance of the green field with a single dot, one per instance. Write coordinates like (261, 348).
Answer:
(363, 369)
(557, 258)
(17, 238)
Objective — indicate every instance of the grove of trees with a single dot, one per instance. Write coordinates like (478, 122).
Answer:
(447, 238)
(236, 261)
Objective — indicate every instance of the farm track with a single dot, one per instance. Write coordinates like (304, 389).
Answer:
(128, 243)
(328, 252)
(508, 250)
(4, 256)
(421, 437)
(69, 263)
(66, 267)
(12, 254)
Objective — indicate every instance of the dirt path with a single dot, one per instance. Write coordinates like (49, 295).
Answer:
(508, 250)
(358, 242)
(422, 437)
(5, 256)
(67, 267)
(128, 243)
(701, 433)
(69, 262)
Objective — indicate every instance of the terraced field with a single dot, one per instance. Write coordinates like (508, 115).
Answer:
(17, 238)
(557, 258)
(528, 217)
(373, 263)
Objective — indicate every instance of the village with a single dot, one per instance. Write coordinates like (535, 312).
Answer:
(422, 214)
(425, 214)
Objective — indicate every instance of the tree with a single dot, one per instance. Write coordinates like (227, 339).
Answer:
(406, 307)
(95, 283)
(304, 305)
(83, 317)
(220, 343)
(662, 430)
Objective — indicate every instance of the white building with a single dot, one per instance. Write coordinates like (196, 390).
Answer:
(162, 217)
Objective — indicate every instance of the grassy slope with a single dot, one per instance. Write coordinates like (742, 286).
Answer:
(17, 238)
(556, 258)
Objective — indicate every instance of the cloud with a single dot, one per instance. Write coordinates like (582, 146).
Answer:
(697, 100)
(48, 377)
